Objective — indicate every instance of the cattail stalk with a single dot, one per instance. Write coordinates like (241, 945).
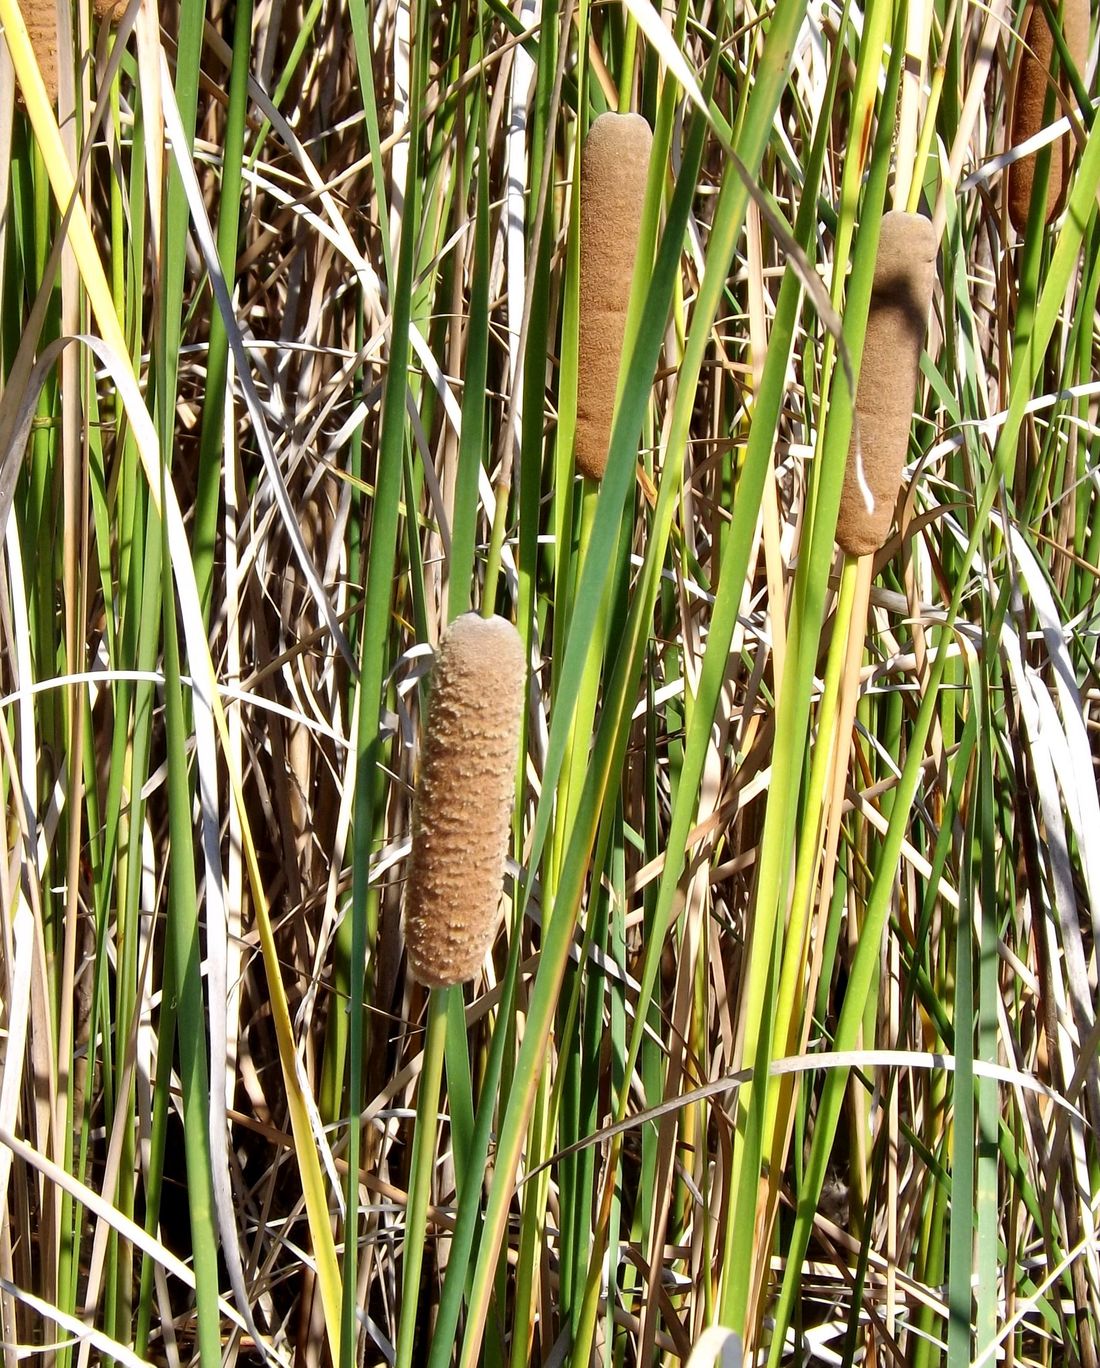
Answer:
(901, 294)
(462, 813)
(614, 169)
(1034, 65)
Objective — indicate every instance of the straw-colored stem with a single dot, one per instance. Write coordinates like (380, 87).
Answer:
(928, 126)
(496, 550)
(918, 23)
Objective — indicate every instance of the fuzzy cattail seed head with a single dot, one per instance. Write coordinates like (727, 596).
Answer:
(901, 294)
(40, 16)
(463, 808)
(614, 168)
(110, 11)
(1033, 77)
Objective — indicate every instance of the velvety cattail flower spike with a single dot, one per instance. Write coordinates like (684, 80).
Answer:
(40, 16)
(1034, 66)
(110, 11)
(614, 169)
(901, 295)
(463, 807)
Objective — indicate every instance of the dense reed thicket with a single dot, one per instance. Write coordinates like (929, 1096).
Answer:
(780, 1031)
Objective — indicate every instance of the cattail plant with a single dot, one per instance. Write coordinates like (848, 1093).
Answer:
(900, 298)
(462, 812)
(40, 17)
(614, 169)
(1033, 78)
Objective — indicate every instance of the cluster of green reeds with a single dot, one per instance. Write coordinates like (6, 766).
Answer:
(548, 649)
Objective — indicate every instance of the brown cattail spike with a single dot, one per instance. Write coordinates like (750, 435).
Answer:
(462, 813)
(614, 168)
(111, 11)
(900, 297)
(40, 17)
(1036, 61)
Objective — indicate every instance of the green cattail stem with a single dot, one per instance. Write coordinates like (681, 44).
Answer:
(420, 1187)
(900, 298)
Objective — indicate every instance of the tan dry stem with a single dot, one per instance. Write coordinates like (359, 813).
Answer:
(1034, 67)
(463, 809)
(901, 294)
(614, 169)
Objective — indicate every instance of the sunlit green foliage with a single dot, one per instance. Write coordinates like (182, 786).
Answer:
(789, 1028)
